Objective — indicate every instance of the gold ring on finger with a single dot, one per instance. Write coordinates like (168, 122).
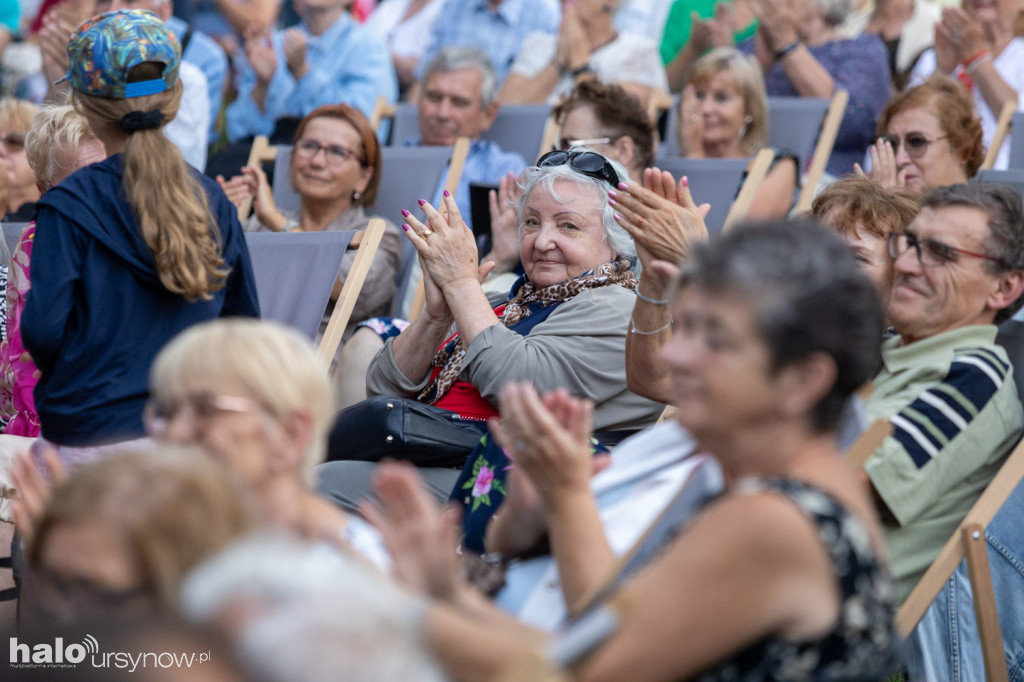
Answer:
(427, 233)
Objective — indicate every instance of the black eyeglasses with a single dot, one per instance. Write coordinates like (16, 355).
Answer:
(590, 164)
(930, 253)
(307, 148)
(14, 142)
(916, 144)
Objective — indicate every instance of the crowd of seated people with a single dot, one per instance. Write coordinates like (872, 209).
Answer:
(638, 420)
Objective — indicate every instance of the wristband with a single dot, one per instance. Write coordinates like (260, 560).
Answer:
(648, 299)
(971, 67)
(576, 73)
(976, 56)
(786, 50)
(634, 330)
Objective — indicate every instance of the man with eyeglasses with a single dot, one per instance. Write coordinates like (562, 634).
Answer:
(946, 387)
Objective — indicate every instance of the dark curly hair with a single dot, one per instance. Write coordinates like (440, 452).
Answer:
(617, 110)
(951, 103)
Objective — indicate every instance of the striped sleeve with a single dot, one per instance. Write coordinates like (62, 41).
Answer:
(939, 414)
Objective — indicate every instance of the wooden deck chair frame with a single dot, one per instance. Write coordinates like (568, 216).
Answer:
(968, 541)
(756, 173)
(382, 109)
(367, 241)
(261, 152)
(823, 148)
(1002, 128)
(459, 153)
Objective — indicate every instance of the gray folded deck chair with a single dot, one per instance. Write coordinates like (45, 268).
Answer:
(295, 272)
(285, 196)
(712, 181)
(12, 233)
(520, 128)
(1013, 179)
(1017, 142)
(404, 124)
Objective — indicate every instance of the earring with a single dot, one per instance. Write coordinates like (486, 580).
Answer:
(356, 195)
(747, 120)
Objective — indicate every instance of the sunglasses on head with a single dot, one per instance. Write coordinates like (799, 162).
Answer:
(590, 164)
(916, 144)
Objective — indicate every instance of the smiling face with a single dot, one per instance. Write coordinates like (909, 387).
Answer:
(719, 364)
(562, 239)
(927, 300)
(722, 109)
(938, 166)
(450, 106)
(322, 178)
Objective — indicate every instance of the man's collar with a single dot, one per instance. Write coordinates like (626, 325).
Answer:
(898, 357)
(507, 9)
(332, 33)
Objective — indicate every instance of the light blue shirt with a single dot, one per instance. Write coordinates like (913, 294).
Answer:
(499, 32)
(346, 64)
(486, 163)
(205, 53)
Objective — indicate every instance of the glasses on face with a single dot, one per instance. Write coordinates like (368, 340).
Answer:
(82, 594)
(197, 409)
(14, 142)
(565, 144)
(916, 144)
(930, 252)
(590, 164)
(306, 148)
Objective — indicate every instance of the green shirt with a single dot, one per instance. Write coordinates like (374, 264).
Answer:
(956, 416)
(678, 26)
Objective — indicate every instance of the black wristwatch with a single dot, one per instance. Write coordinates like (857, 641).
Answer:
(786, 50)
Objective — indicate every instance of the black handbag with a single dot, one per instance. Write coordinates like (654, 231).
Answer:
(404, 429)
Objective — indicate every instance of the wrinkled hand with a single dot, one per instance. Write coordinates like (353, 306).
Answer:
(778, 21)
(700, 34)
(259, 51)
(662, 218)
(504, 206)
(722, 27)
(548, 439)
(883, 166)
(445, 244)
(573, 51)
(33, 491)
(963, 33)
(295, 52)
(421, 539)
(53, 42)
(691, 124)
(237, 189)
(946, 56)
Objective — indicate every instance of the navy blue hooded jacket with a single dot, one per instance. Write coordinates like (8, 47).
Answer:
(97, 313)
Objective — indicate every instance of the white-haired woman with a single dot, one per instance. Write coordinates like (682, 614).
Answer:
(564, 323)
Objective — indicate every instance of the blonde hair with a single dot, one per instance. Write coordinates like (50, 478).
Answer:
(55, 128)
(746, 73)
(171, 508)
(169, 204)
(262, 360)
(16, 114)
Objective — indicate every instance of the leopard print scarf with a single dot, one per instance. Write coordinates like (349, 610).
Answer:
(450, 356)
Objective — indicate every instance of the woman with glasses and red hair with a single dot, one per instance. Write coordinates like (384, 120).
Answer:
(929, 136)
(335, 169)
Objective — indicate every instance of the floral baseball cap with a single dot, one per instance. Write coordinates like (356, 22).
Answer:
(106, 47)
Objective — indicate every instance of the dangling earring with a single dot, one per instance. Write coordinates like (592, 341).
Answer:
(356, 195)
(747, 120)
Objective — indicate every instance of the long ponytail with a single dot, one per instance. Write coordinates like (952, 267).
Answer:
(170, 206)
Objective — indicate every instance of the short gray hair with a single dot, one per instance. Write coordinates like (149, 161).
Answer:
(618, 239)
(458, 57)
(836, 11)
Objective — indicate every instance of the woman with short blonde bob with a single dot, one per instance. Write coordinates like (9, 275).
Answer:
(254, 394)
(129, 251)
(723, 114)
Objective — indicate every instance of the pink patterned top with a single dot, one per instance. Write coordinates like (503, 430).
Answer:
(16, 361)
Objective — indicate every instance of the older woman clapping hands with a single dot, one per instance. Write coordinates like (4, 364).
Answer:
(564, 323)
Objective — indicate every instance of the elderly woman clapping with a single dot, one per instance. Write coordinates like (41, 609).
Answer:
(564, 323)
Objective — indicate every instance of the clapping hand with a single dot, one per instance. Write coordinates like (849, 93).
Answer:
(691, 124)
(445, 245)
(883, 166)
(33, 491)
(259, 51)
(963, 35)
(778, 22)
(295, 52)
(573, 50)
(504, 223)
